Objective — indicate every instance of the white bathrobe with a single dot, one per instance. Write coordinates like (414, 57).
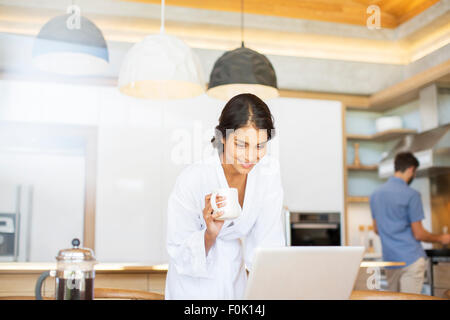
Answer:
(221, 274)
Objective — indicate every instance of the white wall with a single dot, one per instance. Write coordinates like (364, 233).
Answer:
(139, 154)
(359, 214)
(422, 184)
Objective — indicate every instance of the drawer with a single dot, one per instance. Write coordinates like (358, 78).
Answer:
(441, 293)
(13, 284)
(24, 284)
(441, 275)
(122, 281)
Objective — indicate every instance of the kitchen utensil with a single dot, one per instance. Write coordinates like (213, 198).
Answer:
(356, 160)
(388, 123)
(74, 274)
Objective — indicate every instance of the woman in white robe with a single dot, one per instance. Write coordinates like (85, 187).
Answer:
(209, 257)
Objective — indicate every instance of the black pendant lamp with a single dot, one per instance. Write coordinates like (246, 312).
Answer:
(242, 70)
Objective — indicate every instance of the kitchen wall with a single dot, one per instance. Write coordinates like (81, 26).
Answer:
(444, 105)
(358, 214)
(143, 145)
(371, 153)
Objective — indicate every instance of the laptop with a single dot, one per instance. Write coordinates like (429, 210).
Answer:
(303, 273)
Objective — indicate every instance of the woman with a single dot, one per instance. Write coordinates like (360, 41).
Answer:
(208, 257)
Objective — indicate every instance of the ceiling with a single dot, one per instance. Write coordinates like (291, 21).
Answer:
(393, 12)
(129, 21)
(356, 59)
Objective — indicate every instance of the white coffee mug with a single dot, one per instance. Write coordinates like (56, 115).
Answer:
(232, 208)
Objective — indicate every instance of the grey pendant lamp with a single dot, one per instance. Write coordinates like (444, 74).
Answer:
(242, 70)
(69, 48)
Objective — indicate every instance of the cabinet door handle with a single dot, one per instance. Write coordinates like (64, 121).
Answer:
(314, 226)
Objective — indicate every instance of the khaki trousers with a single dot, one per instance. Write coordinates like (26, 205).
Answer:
(408, 279)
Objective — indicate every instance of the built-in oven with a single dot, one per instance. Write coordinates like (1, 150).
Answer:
(8, 236)
(10, 222)
(313, 229)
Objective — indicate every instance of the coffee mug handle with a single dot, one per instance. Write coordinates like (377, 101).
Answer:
(213, 201)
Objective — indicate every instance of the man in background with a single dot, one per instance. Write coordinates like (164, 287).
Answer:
(397, 214)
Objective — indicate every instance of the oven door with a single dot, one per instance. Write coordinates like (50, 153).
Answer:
(315, 234)
(7, 236)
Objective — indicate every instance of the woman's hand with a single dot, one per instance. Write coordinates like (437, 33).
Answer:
(212, 226)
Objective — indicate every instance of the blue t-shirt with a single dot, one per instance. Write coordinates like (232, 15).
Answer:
(395, 206)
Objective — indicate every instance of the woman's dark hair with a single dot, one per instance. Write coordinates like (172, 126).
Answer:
(242, 110)
(405, 160)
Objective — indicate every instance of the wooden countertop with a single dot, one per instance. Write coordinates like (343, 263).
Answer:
(381, 264)
(38, 267)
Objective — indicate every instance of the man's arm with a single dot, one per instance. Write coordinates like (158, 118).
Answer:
(423, 235)
(416, 215)
(374, 223)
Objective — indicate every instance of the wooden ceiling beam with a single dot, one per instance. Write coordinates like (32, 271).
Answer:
(413, 11)
(393, 12)
(339, 11)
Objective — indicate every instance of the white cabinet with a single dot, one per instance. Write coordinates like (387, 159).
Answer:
(310, 138)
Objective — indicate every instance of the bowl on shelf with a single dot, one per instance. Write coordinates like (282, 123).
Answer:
(388, 123)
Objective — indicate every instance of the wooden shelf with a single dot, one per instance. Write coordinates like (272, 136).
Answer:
(382, 136)
(362, 167)
(407, 90)
(349, 100)
(352, 199)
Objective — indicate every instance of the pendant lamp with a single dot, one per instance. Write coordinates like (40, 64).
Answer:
(161, 67)
(70, 50)
(242, 70)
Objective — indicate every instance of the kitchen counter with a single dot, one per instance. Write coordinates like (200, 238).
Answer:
(19, 278)
(381, 264)
(37, 267)
(439, 268)
(371, 270)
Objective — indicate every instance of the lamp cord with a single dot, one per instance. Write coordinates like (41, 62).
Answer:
(72, 3)
(162, 16)
(242, 23)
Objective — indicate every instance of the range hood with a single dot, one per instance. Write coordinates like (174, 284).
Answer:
(431, 148)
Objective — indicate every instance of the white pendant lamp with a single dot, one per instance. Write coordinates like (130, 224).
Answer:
(77, 49)
(242, 70)
(161, 67)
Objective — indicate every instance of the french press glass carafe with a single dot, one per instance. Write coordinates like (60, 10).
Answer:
(74, 274)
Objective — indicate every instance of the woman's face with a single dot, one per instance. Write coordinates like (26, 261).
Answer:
(244, 147)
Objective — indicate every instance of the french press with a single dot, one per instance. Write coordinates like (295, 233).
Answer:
(74, 274)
